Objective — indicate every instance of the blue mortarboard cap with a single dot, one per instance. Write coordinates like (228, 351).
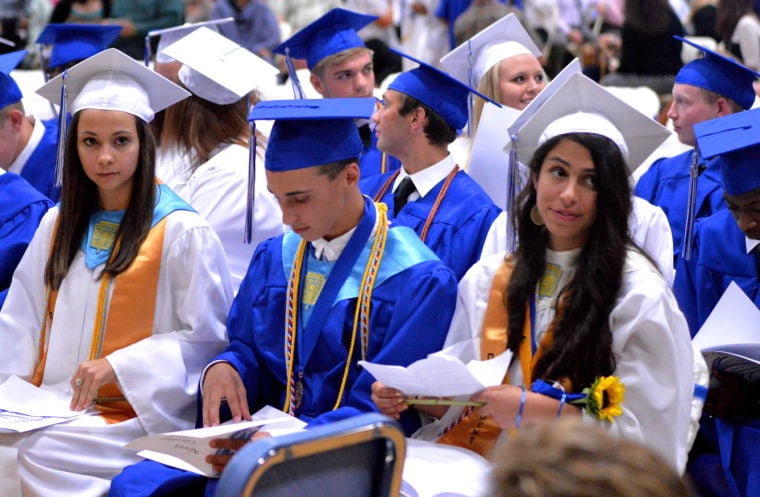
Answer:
(309, 133)
(736, 140)
(438, 90)
(719, 74)
(9, 90)
(332, 33)
(76, 41)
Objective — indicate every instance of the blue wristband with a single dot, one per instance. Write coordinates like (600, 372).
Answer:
(561, 403)
(523, 398)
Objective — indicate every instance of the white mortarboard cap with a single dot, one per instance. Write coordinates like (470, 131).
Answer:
(111, 80)
(503, 39)
(488, 162)
(581, 105)
(170, 35)
(217, 69)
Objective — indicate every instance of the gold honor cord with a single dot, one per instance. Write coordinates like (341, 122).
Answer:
(361, 315)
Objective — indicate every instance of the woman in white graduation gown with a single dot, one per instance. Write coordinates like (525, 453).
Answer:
(577, 302)
(204, 143)
(122, 296)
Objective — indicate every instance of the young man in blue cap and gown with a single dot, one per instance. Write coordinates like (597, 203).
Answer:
(422, 112)
(725, 461)
(341, 67)
(21, 209)
(28, 146)
(705, 88)
(302, 353)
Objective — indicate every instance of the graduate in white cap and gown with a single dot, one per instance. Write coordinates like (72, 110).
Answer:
(705, 88)
(120, 298)
(341, 67)
(301, 354)
(422, 112)
(204, 142)
(577, 301)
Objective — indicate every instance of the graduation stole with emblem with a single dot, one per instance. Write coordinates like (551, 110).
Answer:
(473, 430)
(126, 307)
(322, 293)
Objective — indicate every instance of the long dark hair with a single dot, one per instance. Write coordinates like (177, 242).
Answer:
(581, 348)
(79, 200)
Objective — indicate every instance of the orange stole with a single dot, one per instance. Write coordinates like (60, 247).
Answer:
(129, 312)
(474, 431)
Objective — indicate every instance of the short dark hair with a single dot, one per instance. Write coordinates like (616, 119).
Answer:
(333, 169)
(437, 131)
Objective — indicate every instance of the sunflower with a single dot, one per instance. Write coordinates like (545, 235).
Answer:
(605, 398)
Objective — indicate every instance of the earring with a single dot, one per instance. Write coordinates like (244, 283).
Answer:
(535, 216)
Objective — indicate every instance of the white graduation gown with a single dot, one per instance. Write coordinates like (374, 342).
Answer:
(217, 189)
(651, 343)
(158, 375)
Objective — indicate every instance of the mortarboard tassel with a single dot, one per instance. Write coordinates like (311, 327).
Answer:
(470, 95)
(513, 188)
(691, 201)
(62, 124)
(147, 50)
(251, 184)
(297, 89)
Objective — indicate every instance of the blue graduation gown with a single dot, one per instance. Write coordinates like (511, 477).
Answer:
(666, 184)
(39, 169)
(460, 226)
(21, 209)
(719, 257)
(412, 304)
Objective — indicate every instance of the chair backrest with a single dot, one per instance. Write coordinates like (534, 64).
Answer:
(361, 456)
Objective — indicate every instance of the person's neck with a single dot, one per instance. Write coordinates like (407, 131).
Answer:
(351, 217)
(421, 158)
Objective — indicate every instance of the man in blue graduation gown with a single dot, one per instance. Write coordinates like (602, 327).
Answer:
(21, 209)
(705, 88)
(422, 112)
(28, 146)
(341, 67)
(725, 459)
(340, 252)
(726, 243)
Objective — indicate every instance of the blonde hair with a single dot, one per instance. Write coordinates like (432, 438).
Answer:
(569, 458)
(489, 86)
(339, 58)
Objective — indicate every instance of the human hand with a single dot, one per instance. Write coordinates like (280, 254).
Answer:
(502, 402)
(731, 397)
(389, 401)
(88, 378)
(222, 383)
(226, 448)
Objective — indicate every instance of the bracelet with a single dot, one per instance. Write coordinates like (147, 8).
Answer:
(561, 404)
(523, 398)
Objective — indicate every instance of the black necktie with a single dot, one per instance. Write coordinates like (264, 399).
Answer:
(401, 196)
(756, 250)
